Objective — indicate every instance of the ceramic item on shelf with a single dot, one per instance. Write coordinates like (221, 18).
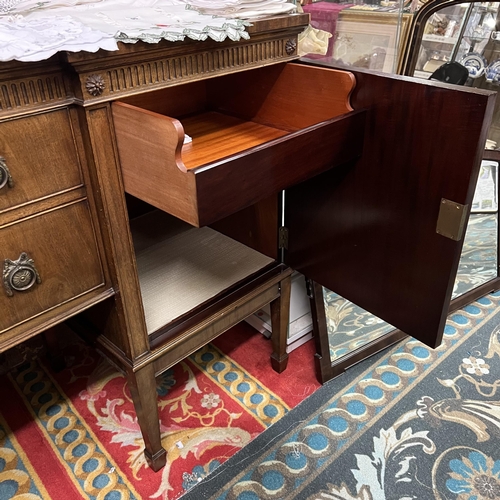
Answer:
(492, 72)
(475, 64)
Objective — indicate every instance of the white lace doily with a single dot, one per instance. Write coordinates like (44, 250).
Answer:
(32, 30)
(163, 19)
(26, 40)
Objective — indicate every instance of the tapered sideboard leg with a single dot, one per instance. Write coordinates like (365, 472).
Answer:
(142, 386)
(280, 317)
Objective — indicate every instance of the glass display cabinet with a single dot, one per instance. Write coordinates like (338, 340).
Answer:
(448, 31)
(440, 40)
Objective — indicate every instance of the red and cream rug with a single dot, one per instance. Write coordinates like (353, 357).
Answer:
(74, 434)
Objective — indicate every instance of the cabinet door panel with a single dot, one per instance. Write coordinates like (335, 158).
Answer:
(368, 230)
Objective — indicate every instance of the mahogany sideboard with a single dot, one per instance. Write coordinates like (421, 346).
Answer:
(106, 209)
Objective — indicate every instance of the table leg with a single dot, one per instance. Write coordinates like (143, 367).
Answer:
(142, 386)
(280, 317)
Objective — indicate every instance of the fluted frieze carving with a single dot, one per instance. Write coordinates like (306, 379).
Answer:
(29, 93)
(136, 77)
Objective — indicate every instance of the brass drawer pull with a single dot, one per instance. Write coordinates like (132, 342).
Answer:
(19, 275)
(5, 177)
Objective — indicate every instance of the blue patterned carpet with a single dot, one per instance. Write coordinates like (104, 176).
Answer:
(409, 423)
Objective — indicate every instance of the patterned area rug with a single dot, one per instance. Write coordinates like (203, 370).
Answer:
(350, 326)
(408, 423)
(74, 434)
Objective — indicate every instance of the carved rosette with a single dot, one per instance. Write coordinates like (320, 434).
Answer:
(19, 275)
(290, 46)
(95, 85)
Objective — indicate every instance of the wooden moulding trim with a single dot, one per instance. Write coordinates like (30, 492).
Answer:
(114, 354)
(173, 69)
(38, 91)
(92, 335)
(52, 317)
(42, 204)
(72, 201)
(288, 22)
(37, 108)
(190, 343)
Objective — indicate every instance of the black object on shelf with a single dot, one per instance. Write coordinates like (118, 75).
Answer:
(451, 72)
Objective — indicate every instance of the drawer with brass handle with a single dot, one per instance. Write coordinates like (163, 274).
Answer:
(35, 164)
(47, 260)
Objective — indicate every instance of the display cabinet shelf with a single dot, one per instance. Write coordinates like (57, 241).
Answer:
(440, 39)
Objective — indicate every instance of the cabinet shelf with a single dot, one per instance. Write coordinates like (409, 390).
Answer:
(181, 267)
(491, 154)
(422, 74)
(440, 39)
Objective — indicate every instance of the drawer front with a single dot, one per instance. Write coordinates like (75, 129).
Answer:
(47, 260)
(38, 158)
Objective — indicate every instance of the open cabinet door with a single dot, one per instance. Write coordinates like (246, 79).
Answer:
(386, 231)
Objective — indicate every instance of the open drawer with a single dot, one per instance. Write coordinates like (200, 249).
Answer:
(253, 134)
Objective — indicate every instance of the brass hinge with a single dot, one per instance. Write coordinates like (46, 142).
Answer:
(283, 237)
(452, 219)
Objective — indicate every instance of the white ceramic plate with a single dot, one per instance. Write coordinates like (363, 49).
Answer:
(475, 64)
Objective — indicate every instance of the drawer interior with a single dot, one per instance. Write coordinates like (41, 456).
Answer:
(233, 121)
(181, 267)
(229, 114)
